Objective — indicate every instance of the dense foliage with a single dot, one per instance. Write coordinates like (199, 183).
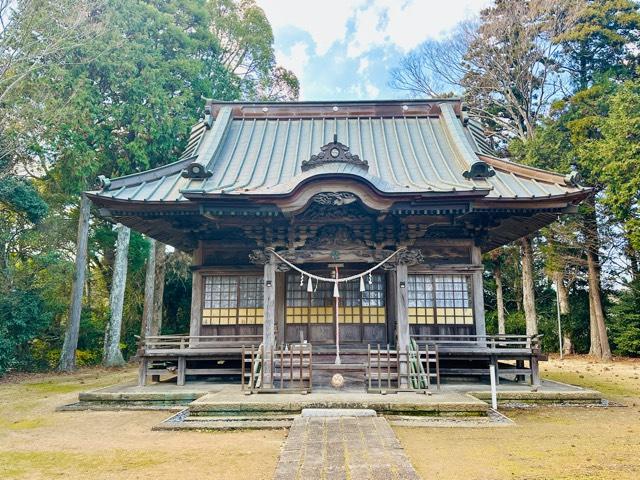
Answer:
(91, 87)
(111, 87)
(557, 86)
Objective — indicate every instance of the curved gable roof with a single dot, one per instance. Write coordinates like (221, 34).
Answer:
(410, 147)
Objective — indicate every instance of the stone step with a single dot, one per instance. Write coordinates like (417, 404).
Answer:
(239, 418)
(338, 412)
(224, 424)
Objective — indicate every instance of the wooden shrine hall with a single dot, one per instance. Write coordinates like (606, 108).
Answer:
(281, 202)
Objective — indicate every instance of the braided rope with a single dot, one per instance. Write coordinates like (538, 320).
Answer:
(333, 280)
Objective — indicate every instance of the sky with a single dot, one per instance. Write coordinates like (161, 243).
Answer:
(345, 49)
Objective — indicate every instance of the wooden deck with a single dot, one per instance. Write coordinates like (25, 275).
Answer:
(434, 356)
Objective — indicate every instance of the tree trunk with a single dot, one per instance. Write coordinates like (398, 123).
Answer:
(599, 337)
(158, 289)
(528, 289)
(147, 310)
(598, 311)
(68, 354)
(567, 344)
(497, 273)
(112, 354)
(563, 294)
(594, 336)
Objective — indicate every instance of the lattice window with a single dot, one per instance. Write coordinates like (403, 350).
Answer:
(440, 299)
(318, 306)
(232, 300)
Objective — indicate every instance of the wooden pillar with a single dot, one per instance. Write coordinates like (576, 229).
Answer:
(196, 295)
(112, 354)
(402, 317)
(478, 292)
(268, 327)
(196, 304)
(280, 296)
(68, 354)
(182, 367)
(142, 372)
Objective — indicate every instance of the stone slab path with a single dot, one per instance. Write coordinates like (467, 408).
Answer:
(352, 448)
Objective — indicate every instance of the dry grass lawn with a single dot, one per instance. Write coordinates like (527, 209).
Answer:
(547, 442)
(38, 443)
(555, 443)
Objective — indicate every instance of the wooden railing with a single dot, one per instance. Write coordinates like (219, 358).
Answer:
(277, 370)
(497, 342)
(182, 342)
(390, 370)
(522, 350)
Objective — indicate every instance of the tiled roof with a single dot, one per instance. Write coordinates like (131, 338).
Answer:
(410, 147)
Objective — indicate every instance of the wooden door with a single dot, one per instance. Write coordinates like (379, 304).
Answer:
(362, 315)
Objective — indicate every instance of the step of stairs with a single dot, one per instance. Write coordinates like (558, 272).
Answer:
(183, 421)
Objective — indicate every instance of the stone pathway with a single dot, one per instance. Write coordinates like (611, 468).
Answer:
(343, 447)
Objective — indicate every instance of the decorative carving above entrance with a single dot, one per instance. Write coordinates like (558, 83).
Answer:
(334, 206)
(411, 257)
(334, 237)
(334, 198)
(258, 257)
(406, 257)
(334, 152)
(262, 257)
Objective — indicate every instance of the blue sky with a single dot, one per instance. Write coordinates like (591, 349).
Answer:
(344, 49)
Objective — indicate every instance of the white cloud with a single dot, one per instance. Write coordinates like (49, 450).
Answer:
(363, 64)
(297, 58)
(325, 21)
(345, 48)
(406, 24)
(371, 90)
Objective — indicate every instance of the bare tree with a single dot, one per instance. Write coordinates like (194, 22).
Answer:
(436, 68)
(504, 65)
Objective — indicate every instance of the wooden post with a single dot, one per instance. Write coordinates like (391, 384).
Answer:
(528, 289)
(112, 354)
(535, 373)
(142, 372)
(478, 294)
(196, 296)
(268, 327)
(497, 275)
(402, 317)
(149, 281)
(182, 367)
(68, 354)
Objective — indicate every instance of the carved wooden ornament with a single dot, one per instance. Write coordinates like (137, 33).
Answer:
(334, 152)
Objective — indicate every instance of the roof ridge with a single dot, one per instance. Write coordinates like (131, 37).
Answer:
(541, 174)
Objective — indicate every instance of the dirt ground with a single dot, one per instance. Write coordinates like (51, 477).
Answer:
(38, 443)
(546, 442)
(550, 443)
